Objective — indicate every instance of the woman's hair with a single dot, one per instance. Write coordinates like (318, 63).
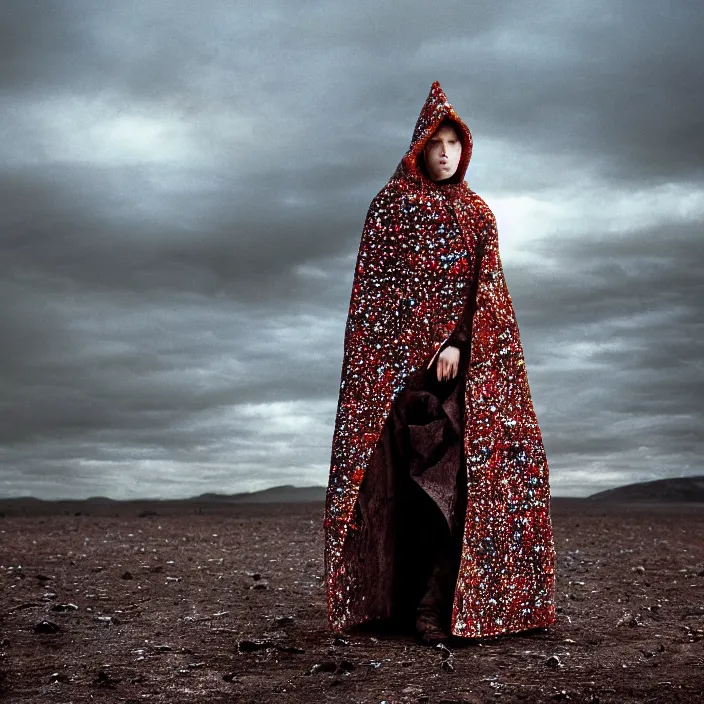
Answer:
(449, 122)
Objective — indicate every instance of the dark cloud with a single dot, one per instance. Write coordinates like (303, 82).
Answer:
(616, 337)
(183, 191)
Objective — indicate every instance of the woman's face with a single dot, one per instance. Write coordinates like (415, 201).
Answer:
(442, 153)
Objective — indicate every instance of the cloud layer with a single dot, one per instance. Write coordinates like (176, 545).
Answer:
(183, 190)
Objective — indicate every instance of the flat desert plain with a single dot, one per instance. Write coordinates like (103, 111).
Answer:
(226, 603)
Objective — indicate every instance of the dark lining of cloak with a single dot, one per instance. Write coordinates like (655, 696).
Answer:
(412, 501)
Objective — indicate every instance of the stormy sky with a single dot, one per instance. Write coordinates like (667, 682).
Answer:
(182, 191)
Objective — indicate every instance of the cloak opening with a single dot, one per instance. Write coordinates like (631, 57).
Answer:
(429, 260)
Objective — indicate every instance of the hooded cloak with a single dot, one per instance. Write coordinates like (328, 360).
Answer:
(428, 249)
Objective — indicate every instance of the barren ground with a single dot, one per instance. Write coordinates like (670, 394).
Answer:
(226, 604)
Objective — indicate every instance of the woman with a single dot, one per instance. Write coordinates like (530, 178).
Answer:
(437, 505)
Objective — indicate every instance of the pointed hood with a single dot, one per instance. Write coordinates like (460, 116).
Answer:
(436, 109)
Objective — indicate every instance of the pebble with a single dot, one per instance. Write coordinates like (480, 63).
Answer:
(109, 620)
(46, 627)
(553, 661)
(250, 646)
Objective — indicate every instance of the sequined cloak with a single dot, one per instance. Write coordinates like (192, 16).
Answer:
(426, 249)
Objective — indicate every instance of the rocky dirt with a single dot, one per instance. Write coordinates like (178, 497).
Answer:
(226, 604)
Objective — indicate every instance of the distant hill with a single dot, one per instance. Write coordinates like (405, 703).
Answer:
(684, 490)
(103, 506)
(676, 489)
(277, 494)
